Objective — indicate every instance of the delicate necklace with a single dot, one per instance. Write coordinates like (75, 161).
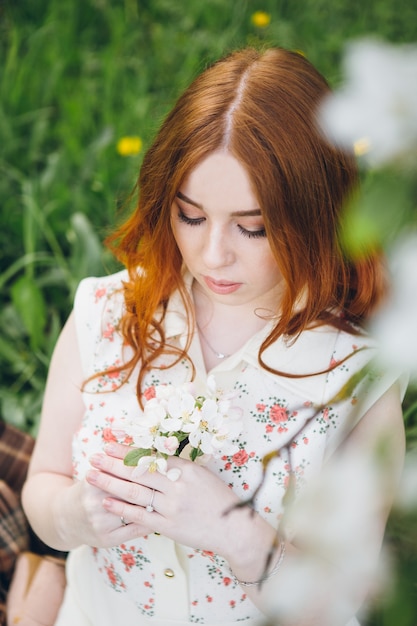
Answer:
(219, 355)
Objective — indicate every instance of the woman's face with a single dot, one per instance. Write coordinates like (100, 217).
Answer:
(218, 226)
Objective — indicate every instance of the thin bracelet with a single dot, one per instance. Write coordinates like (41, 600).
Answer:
(272, 573)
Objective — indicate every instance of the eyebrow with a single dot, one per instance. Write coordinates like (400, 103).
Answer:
(250, 213)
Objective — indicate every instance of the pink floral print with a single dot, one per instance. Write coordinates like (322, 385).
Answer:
(291, 416)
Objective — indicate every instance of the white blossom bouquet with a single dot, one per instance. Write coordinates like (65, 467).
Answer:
(173, 417)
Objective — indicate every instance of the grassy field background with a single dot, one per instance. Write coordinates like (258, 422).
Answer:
(77, 76)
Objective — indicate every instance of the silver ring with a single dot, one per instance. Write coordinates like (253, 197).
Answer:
(149, 507)
(124, 522)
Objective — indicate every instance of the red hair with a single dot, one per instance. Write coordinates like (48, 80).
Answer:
(261, 107)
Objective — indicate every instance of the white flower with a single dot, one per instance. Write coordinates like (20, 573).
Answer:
(173, 418)
(377, 107)
(395, 327)
(154, 411)
(215, 430)
(151, 463)
(155, 463)
(145, 428)
(166, 445)
(180, 409)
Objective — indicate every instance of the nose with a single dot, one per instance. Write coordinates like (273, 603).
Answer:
(217, 248)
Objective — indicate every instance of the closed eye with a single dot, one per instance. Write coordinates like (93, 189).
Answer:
(196, 221)
(252, 234)
(191, 221)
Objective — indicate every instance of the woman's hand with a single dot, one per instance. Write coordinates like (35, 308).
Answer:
(79, 517)
(94, 525)
(197, 510)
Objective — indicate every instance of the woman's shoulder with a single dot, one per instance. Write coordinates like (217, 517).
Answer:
(97, 287)
(316, 349)
(95, 294)
(98, 308)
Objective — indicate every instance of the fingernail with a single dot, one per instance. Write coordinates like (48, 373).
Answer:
(92, 476)
(110, 448)
(96, 460)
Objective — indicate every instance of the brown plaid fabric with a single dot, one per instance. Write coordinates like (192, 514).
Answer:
(15, 451)
(14, 537)
(15, 533)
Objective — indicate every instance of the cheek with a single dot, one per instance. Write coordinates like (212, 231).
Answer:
(270, 268)
(183, 240)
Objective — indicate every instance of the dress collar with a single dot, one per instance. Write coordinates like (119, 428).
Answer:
(312, 351)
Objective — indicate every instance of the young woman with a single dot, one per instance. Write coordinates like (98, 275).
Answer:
(233, 268)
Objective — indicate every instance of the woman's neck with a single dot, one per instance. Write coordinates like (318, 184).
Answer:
(224, 329)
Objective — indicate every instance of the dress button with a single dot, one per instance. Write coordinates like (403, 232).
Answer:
(169, 573)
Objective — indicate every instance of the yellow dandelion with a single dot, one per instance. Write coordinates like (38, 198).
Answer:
(260, 19)
(361, 146)
(129, 146)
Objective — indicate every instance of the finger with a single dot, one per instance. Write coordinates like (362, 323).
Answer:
(137, 516)
(111, 465)
(117, 450)
(127, 531)
(118, 469)
(124, 490)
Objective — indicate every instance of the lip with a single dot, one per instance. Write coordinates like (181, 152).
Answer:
(221, 287)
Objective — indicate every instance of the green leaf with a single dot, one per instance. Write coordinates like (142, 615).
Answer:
(29, 303)
(132, 457)
(359, 234)
(195, 452)
(86, 255)
(378, 214)
(8, 352)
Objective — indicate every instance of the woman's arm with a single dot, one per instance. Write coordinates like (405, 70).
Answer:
(50, 471)
(65, 513)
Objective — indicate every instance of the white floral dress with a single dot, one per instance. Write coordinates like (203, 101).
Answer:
(279, 412)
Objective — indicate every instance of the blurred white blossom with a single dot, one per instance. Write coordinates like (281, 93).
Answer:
(334, 517)
(395, 327)
(376, 109)
(334, 522)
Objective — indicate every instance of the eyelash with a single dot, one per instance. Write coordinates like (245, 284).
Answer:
(189, 220)
(250, 234)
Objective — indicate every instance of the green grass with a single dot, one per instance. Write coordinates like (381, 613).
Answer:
(75, 76)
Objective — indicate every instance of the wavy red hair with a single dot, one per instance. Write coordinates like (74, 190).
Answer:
(260, 106)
